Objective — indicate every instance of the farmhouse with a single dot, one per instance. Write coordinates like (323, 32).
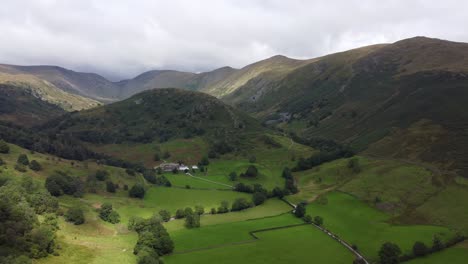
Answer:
(169, 166)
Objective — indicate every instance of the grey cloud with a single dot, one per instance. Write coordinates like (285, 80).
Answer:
(123, 38)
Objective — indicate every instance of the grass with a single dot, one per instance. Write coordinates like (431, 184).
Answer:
(292, 245)
(368, 228)
(214, 235)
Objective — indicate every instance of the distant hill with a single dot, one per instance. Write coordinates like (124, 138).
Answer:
(377, 98)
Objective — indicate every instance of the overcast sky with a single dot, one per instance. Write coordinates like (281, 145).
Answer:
(120, 39)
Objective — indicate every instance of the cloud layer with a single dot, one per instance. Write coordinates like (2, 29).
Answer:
(122, 38)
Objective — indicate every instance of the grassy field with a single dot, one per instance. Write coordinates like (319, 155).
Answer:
(454, 255)
(292, 245)
(368, 228)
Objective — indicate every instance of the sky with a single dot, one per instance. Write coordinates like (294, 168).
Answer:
(120, 39)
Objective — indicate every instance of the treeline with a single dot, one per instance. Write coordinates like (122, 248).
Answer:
(329, 151)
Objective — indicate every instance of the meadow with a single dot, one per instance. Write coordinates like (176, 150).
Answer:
(367, 228)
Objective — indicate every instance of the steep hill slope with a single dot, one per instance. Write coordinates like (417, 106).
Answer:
(158, 114)
(362, 95)
(23, 107)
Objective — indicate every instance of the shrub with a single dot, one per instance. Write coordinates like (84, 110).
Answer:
(75, 216)
(389, 253)
(318, 220)
(252, 159)
(20, 167)
(2, 162)
(213, 211)
(23, 159)
(165, 215)
(4, 148)
(137, 191)
(419, 249)
(107, 214)
(204, 161)
(300, 210)
(307, 219)
(101, 175)
(130, 172)
(259, 198)
(233, 176)
(240, 204)
(110, 187)
(251, 172)
(35, 166)
(354, 165)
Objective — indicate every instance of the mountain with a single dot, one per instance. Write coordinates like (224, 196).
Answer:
(404, 100)
(158, 114)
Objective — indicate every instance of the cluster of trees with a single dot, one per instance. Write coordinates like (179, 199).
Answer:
(322, 157)
(23, 162)
(60, 183)
(300, 212)
(153, 239)
(289, 184)
(108, 214)
(22, 235)
(151, 177)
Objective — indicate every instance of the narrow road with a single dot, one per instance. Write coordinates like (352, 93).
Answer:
(227, 185)
(335, 237)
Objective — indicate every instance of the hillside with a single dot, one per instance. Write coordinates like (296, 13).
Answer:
(378, 95)
(22, 107)
(159, 115)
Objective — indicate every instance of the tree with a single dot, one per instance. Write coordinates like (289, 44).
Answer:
(35, 166)
(101, 175)
(23, 159)
(389, 253)
(240, 204)
(259, 198)
(4, 148)
(137, 191)
(165, 215)
(110, 187)
(213, 211)
(224, 208)
(199, 210)
(318, 220)
(286, 173)
(437, 243)
(204, 161)
(188, 211)
(192, 220)
(233, 176)
(180, 214)
(359, 261)
(75, 215)
(278, 192)
(252, 159)
(300, 210)
(251, 171)
(2, 162)
(419, 249)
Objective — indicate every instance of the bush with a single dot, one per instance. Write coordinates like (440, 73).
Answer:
(4, 148)
(204, 161)
(130, 172)
(389, 253)
(233, 176)
(420, 249)
(307, 219)
(252, 159)
(318, 220)
(180, 213)
(251, 172)
(107, 214)
(75, 216)
(300, 210)
(35, 166)
(240, 204)
(2, 162)
(165, 215)
(101, 175)
(23, 159)
(354, 165)
(110, 187)
(259, 198)
(137, 191)
(20, 167)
